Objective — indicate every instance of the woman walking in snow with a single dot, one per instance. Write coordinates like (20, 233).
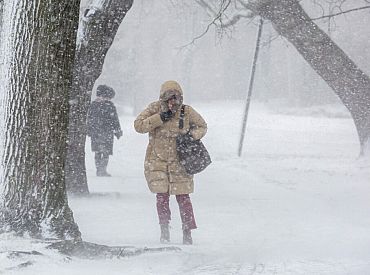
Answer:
(102, 124)
(164, 173)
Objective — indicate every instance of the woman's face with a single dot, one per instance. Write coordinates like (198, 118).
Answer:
(171, 100)
(172, 103)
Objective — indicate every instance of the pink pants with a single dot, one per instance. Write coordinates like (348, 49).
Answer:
(185, 206)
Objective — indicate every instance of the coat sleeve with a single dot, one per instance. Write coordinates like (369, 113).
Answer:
(148, 120)
(198, 126)
(115, 120)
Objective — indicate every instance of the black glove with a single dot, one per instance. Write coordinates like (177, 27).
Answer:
(118, 134)
(166, 116)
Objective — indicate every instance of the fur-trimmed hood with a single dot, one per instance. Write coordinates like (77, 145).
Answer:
(168, 89)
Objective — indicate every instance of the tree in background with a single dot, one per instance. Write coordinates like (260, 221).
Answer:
(39, 78)
(334, 66)
(98, 26)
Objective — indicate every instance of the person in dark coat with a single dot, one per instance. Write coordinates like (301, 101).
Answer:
(102, 125)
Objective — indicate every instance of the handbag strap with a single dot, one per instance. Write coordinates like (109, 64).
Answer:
(182, 114)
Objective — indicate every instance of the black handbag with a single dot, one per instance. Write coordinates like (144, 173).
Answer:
(192, 154)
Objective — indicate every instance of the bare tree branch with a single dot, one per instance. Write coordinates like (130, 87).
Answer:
(340, 13)
(218, 14)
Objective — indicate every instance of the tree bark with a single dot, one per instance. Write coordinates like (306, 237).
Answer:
(346, 79)
(98, 28)
(36, 118)
(1, 14)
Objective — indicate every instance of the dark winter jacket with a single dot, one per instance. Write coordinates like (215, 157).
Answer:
(102, 124)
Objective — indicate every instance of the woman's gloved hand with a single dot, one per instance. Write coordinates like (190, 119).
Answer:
(118, 134)
(166, 116)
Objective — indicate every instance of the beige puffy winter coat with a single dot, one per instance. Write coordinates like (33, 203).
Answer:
(162, 169)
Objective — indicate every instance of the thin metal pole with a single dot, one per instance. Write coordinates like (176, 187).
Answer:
(251, 81)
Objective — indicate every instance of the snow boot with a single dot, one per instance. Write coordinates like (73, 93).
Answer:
(102, 173)
(187, 239)
(101, 163)
(165, 233)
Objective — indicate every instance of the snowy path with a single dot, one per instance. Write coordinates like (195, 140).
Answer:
(296, 203)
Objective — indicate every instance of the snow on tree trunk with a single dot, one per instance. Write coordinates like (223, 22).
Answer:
(98, 27)
(41, 47)
(350, 84)
(1, 14)
(366, 148)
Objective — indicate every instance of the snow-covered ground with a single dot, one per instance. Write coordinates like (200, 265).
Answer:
(296, 202)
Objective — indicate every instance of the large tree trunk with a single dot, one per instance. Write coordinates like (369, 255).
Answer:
(346, 79)
(1, 14)
(98, 28)
(41, 47)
